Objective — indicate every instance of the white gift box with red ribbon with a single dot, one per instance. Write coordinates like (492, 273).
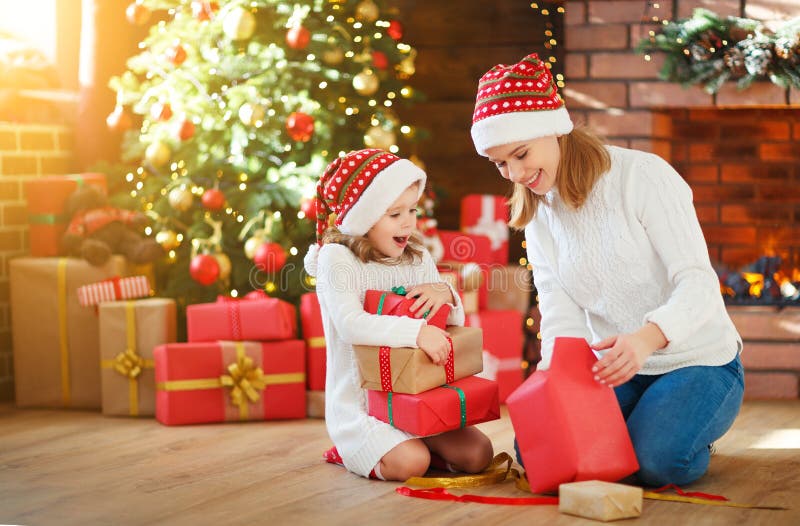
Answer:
(114, 289)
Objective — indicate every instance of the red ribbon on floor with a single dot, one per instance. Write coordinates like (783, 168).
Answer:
(443, 494)
(698, 494)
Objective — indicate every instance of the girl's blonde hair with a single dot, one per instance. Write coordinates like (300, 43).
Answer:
(366, 251)
(584, 160)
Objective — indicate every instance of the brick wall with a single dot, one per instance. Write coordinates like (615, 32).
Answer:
(26, 151)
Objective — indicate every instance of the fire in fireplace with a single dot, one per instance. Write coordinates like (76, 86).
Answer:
(761, 283)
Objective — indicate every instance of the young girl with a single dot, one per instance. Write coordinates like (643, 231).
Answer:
(373, 195)
(619, 259)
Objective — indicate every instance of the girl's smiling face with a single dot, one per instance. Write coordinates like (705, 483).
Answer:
(390, 234)
(532, 163)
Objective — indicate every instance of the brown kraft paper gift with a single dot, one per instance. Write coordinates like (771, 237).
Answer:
(56, 341)
(129, 331)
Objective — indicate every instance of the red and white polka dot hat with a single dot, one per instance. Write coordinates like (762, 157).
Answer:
(517, 103)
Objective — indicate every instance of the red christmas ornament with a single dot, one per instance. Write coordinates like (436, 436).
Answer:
(309, 207)
(119, 120)
(270, 257)
(161, 111)
(204, 10)
(137, 14)
(395, 30)
(186, 131)
(176, 54)
(298, 37)
(213, 199)
(379, 60)
(300, 126)
(204, 269)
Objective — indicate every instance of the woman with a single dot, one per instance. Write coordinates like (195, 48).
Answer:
(619, 259)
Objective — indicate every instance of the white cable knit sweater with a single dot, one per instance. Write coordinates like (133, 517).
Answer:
(633, 253)
(342, 281)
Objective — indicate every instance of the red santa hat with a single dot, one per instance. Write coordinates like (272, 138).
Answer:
(517, 103)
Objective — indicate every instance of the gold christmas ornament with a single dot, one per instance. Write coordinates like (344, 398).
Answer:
(180, 199)
(367, 11)
(251, 245)
(405, 69)
(239, 24)
(167, 239)
(378, 137)
(333, 56)
(157, 154)
(251, 113)
(224, 265)
(366, 83)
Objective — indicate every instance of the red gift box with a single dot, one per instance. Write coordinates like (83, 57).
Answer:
(46, 198)
(466, 248)
(465, 402)
(256, 317)
(314, 335)
(114, 289)
(389, 303)
(569, 427)
(198, 383)
(487, 215)
(502, 339)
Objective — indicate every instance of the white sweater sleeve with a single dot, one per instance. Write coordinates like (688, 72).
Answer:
(431, 275)
(663, 203)
(338, 282)
(561, 316)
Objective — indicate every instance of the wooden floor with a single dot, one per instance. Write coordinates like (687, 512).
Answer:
(61, 467)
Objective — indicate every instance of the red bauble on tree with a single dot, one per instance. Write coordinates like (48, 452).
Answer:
(186, 130)
(161, 111)
(213, 199)
(309, 207)
(204, 269)
(298, 37)
(379, 60)
(176, 54)
(395, 30)
(137, 14)
(204, 10)
(270, 257)
(119, 120)
(300, 126)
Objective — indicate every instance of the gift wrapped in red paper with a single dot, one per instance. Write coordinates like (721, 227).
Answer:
(502, 341)
(468, 401)
(314, 335)
(569, 427)
(198, 383)
(46, 197)
(396, 303)
(254, 317)
(114, 289)
(487, 215)
(466, 248)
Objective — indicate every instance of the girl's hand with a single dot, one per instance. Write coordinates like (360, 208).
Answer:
(429, 298)
(433, 341)
(626, 355)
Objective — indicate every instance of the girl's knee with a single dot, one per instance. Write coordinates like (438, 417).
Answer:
(664, 468)
(480, 456)
(406, 460)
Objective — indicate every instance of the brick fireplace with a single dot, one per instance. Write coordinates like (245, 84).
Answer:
(738, 150)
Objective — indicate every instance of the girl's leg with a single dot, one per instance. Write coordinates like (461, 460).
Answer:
(407, 459)
(467, 450)
(678, 416)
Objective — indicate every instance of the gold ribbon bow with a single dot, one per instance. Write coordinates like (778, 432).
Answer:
(129, 364)
(245, 380)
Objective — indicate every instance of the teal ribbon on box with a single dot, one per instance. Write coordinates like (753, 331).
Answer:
(400, 291)
(462, 402)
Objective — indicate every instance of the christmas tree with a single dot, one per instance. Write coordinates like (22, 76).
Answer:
(232, 110)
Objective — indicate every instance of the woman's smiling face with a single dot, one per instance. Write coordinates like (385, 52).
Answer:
(532, 163)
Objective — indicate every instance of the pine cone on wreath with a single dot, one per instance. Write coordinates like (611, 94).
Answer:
(788, 49)
(734, 60)
(700, 51)
(757, 58)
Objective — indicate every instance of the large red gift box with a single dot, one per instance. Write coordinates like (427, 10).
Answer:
(46, 197)
(258, 318)
(487, 215)
(502, 342)
(389, 303)
(466, 248)
(198, 383)
(465, 402)
(569, 427)
(314, 336)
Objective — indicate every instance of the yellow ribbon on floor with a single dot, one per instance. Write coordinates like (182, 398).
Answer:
(128, 363)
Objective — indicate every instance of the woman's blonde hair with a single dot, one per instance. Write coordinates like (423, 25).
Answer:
(366, 251)
(584, 160)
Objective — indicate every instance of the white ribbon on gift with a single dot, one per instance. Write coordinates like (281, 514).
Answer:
(495, 229)
(493, 365)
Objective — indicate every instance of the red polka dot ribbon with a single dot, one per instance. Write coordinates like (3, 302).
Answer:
(450, 364)
(234, 317)
(385, 364)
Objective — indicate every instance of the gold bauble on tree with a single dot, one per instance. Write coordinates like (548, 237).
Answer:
(333, 56)
(167, 239)
(157, 154)
(224, 265)
(252, 244)
(180, 199)
(367, 11)
(251, 113)
(379, 137)
(239, 24)
(366, 83)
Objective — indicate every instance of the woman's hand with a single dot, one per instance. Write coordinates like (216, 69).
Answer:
(429, 298)
(626, 354)
(433, 341)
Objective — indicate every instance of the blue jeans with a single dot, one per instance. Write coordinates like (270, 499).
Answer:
(673, 417)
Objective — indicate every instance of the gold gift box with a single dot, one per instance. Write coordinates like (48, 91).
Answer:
(413, 372)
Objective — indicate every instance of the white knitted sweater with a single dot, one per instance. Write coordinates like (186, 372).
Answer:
(633, 253)
(342, 281)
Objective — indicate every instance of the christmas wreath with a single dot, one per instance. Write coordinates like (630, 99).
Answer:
(710, 50)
